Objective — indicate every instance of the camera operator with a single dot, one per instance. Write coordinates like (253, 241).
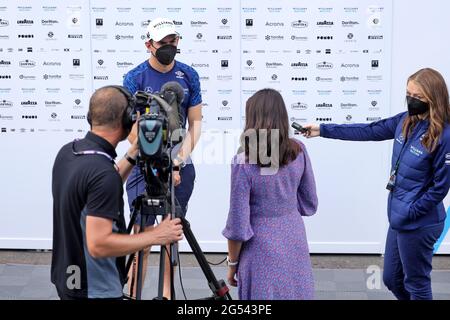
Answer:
(89, 240)
(162, 41)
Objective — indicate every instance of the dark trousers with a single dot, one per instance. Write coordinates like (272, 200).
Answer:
(407, 262)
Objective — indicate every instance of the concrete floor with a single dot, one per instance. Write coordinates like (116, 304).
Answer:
(25, 275)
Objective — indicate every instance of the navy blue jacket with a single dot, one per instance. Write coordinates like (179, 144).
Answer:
(423, 178)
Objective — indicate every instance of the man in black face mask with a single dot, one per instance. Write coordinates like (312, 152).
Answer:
(162, 41)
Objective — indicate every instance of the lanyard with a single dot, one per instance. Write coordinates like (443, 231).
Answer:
(91, 152)
(402, 150)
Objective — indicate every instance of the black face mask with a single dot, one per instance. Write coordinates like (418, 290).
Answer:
(416, 106)
(166, 54)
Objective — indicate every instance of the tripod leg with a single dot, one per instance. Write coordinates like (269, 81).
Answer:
(162, 262)
(219, 289)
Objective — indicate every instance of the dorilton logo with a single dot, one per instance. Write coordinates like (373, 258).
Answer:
(27, 64)
(325, 23)
(376, 37)
(198, 23)
(124, 37)
(101, 77)
(75, 36)
(124, 64)
(274, 24)
(25, 22)
(4, 23)
(4, 63)
(273, 64)
(6, 104)
(324, 65)
(28, 103)
(124, 24)
(49, 22)
(324, 105)
(299, 106)
(299, 24)
(350, 23)
(224, 37)
(299, 64)
(52, 63)
(51, 76)
(348, 105)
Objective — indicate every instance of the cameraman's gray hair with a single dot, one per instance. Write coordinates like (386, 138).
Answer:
(106, 107)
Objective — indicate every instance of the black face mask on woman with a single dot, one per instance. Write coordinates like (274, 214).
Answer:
(166, 54)
(416, 106)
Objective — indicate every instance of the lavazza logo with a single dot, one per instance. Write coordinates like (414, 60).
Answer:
(25, 22)
(28, 103)
(299, 65)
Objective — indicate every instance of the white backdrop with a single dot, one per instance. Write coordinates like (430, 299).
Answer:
(80, 46)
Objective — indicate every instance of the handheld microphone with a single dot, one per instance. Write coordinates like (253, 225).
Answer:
(298, 127)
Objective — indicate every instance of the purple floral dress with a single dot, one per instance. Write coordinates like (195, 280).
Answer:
(266, 210)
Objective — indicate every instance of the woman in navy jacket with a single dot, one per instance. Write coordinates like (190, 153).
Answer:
(419, 180)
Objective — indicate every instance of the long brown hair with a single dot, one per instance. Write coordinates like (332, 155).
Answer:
(435, 92)
(266, 115)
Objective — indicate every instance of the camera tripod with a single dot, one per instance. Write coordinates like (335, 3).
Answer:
(146, 205)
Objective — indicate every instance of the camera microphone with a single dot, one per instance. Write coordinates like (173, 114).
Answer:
(298, 127)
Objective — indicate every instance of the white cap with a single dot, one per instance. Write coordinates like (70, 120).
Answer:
(160, 28)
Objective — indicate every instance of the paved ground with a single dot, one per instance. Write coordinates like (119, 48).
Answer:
(25, 275)
(32, 282)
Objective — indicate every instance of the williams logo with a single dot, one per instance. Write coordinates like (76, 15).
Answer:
(27, 64)
(299, 24)
(5, 104)
(299, 106)
(4, 23)
(324, 65)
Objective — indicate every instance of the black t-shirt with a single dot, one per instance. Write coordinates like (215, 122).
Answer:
(85, 185)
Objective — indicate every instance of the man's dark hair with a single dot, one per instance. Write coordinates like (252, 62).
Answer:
(106, 107)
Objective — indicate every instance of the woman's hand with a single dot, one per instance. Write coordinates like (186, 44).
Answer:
(231, 276)
(313, 130)
(176, 178)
